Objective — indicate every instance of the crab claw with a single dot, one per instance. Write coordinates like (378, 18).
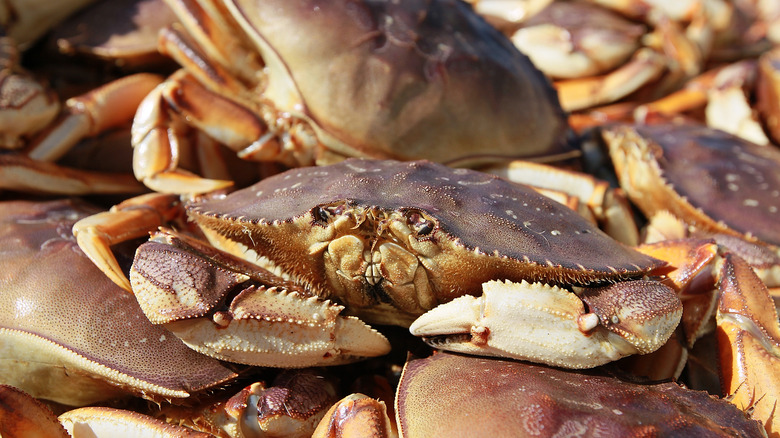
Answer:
(222, 314)
(547, 324)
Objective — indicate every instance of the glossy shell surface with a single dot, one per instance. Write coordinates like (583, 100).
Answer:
(55, 304)
(404, 80)
(449, 395)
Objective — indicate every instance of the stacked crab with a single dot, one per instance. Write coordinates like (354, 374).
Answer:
(538, 264)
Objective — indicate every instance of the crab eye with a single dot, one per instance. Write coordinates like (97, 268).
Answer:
(320, 214)
(419, 223)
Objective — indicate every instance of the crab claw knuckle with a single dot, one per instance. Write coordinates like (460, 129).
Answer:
(644, 313)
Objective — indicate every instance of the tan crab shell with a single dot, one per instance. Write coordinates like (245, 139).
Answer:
(404, 80)
(454, 228)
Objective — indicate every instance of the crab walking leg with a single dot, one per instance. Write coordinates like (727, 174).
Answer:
(26, 105)
(749, 342)
(228, 315)
(577, 94)
(109, 106)
(156, 141)
(547, 324)
(131, 219)
(19, 172)
(210, 37)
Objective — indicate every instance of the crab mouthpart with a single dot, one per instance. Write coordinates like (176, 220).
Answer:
(542, 323)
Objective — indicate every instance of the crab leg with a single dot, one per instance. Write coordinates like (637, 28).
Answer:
(768, 92)
(576, 94)
(749, 343)
(158, 138)
(27, 105)
(103, 108)
(204, 22)
(130, 219)
(356, 415)
(19, 172)
(558, 331)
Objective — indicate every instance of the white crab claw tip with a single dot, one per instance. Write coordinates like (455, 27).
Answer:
(457, 316)
(355, 338)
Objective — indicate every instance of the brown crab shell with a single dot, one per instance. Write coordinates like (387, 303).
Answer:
(454, 395)
(485, 227)
(404, 80)
(710, 179)
(86, 338)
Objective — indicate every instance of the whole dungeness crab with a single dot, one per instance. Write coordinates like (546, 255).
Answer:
(390, 241)
(382, 79)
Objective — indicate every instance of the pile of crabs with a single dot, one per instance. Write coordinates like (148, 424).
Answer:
(377, 218)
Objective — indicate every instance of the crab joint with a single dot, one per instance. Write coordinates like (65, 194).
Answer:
(587, 322)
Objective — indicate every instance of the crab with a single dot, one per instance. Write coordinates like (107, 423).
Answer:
(68, 334)
(428, 235)
(690, 180)
(409, 80)
(713, 182)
